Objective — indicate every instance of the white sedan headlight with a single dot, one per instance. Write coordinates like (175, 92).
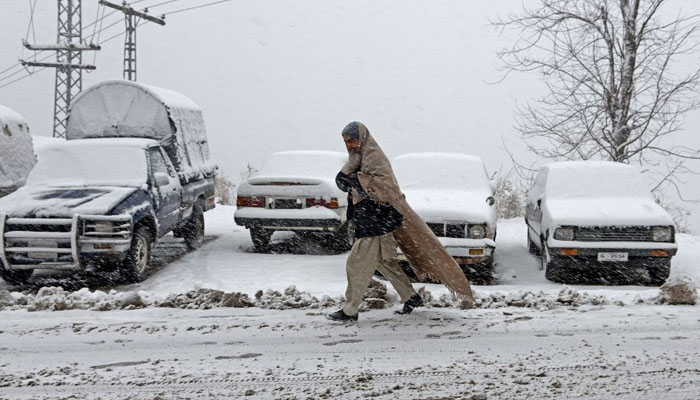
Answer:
(662, 234)
(477, 231)
(564, 234)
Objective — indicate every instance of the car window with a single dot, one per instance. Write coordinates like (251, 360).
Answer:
(157, 162)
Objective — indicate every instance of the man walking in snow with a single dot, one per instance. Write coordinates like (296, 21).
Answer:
(375, 245)
(381, 209)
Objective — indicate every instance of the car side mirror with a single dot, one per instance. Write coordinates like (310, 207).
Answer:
(161, 179)
(491, 200)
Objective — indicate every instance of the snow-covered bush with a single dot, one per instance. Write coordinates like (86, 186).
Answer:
(510, 197)
(224, 189)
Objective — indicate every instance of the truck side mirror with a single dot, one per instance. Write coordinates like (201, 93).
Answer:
(539, 202)
(161, 179)
(491, 200)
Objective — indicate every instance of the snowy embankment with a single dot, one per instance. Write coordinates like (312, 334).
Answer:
(226, 273)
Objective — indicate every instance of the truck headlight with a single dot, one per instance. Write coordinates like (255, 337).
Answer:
(662, 234)
(103, 227)
(477, 231)
(564, 233)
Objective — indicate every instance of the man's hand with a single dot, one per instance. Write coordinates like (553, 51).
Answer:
(342, 181)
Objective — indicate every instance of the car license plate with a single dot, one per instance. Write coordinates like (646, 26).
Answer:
(612, 256)
(287, 204)
(51, 244)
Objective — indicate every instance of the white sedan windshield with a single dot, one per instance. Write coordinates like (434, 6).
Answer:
(441, 172)
(90, 164)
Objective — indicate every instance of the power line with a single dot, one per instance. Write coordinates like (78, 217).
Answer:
(196, 7)
(99, 32)
(22, 77)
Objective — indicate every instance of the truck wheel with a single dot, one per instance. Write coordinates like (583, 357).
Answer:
(16, 277)
(552, 272)
(344, 238)
(135, 265)
(261, 238)
(193, 231)
(531, 247)
(658, 275)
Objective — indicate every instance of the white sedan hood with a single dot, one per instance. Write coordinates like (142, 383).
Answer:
(609, 211)
(451, 205)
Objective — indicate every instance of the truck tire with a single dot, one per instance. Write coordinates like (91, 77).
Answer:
(344, 238)
(658, 275)
(16, 277)
(261, 238)
(531, 247)
(552, 271)
(193, 231)
(135, 265)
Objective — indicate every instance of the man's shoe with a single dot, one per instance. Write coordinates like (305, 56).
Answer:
(412, 302)
(340, 316)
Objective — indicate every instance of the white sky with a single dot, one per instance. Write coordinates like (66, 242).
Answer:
(286, 75)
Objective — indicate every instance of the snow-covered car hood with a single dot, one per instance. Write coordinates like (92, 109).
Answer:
(435, 205)
(610, 211)
(43, 201)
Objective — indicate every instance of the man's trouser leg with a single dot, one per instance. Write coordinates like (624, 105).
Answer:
(367, 255)
(391, 270)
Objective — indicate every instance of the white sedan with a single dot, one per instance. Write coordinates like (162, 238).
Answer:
(454, 196)
(295, 191)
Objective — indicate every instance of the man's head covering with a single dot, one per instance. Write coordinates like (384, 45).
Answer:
(370, 162)
(352, 130)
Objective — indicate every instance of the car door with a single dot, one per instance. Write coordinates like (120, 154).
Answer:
(167, 192)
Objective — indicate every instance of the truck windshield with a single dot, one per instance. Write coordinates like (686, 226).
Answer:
(90, 164)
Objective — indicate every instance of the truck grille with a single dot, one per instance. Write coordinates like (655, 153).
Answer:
(448, 230)
(614, 234)
(27, 243)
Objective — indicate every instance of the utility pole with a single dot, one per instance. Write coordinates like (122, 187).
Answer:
(69, 56)
(130, 16)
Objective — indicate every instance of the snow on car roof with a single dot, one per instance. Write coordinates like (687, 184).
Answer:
(16, 151)
(594, 179)
(96, 162)
(167, 97)
(441, 170)
(304, 163)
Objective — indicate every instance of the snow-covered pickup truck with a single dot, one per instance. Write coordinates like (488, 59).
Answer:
(134, 168)
(454, 196)
(598, 219)
(16, 151)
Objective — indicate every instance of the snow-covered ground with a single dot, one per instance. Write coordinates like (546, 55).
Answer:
(252, 335)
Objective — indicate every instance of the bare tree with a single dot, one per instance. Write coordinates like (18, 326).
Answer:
(614, 88)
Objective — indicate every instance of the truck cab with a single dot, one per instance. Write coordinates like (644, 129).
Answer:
(123, 180)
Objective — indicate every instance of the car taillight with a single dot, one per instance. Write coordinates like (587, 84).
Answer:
(243, 201)
(321, 202)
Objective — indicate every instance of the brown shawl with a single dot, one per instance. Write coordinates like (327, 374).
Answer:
(424, 252)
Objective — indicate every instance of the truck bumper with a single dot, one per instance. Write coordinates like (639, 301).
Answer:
(318, 224)
(63, 243)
